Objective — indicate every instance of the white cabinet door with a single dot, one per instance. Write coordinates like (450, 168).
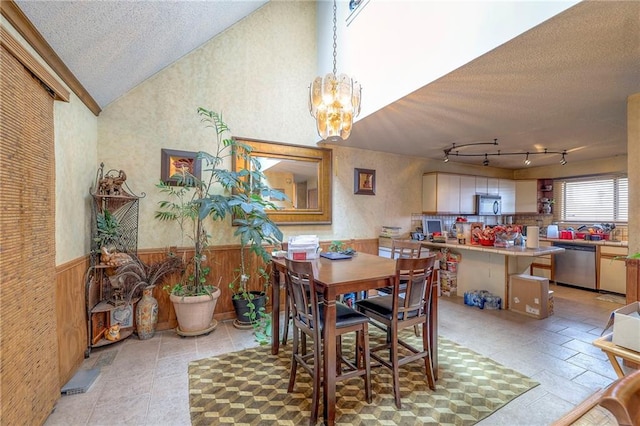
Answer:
(507, 191)
(481, 185)
(448, 193)
(527, 196)
(493, 186)
(440, 193)
(613, 272)
(467, 194)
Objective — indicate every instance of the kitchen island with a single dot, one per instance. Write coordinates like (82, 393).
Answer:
(489, 268)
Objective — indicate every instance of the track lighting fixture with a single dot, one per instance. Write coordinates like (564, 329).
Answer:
(563, 161)
(455, 150)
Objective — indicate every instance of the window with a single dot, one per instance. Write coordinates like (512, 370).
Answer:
(593, 199)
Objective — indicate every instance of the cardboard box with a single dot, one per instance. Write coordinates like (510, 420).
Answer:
(626, 326)
(529, 295)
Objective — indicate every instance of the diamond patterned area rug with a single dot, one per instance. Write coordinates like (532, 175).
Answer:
(250, 388)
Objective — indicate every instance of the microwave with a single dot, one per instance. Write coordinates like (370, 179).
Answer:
(488, 205)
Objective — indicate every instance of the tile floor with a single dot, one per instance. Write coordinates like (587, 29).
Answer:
(145, 382)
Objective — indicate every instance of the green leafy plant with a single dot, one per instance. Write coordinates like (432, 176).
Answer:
(109, 230)
(242, 194)
(336, 246)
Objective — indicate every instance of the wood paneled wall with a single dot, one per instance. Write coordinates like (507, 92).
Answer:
(71, 304)
(71, 317)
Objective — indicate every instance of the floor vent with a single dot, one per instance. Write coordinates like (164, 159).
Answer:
(80, 382)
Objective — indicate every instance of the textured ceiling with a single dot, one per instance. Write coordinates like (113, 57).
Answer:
(112, 46)
(562, 85)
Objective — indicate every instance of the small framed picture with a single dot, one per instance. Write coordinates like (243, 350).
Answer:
(364, 182)
(176, 162)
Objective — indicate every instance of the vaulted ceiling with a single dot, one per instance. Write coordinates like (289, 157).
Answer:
(562, 85)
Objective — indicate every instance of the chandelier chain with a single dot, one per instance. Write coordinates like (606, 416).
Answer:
(335, 38)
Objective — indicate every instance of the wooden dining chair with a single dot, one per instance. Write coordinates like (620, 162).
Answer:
(400, 310)
(410, 249)
(308, 319)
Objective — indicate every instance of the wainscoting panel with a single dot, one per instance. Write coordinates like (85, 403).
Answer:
(71, 317)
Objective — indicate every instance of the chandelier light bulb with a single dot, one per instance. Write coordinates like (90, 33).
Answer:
(334, 101)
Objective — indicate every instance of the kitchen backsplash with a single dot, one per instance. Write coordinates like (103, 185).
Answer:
(620, 233)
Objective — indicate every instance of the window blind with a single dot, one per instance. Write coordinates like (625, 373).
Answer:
(593, 199)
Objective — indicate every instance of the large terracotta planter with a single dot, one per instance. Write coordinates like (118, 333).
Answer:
(195, 313)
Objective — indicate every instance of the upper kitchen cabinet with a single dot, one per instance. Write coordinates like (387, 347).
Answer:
(481, 185)
(507, 191)
(440, 193)
(527, 196)
(467, 194)
(493, 186)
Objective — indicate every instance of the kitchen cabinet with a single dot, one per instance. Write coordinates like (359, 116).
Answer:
(527, 196)
(440, 193)
(612, 274)
(481, 185)
(467, 194)
(507, 191)
(493, 186)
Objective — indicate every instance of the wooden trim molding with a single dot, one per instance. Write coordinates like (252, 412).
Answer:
(21, 23)
(25, 58)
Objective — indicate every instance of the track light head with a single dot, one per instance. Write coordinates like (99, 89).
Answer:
(563, 161)
(526, 160)
(446, 158)
(486, 160)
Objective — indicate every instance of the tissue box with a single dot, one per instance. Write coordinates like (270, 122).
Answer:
(626, 326)
(303, 247)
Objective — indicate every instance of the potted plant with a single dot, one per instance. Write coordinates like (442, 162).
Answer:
(135, 275)
(249, 203)
(108, 230)
(220, 192)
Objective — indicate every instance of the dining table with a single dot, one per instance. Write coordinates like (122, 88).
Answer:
(359, 274)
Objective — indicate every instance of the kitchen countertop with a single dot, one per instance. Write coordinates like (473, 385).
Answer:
(588, 242)
(507, 251)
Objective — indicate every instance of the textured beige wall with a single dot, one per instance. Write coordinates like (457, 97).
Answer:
(256, 74)
(75, 133)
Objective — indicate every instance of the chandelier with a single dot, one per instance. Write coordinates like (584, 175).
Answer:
(455, 150)
(334, 101)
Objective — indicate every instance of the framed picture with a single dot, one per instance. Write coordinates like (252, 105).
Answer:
(175, 162)
(364, 182)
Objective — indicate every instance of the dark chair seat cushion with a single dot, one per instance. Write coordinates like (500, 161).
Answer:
(383, 306)
(345, 316)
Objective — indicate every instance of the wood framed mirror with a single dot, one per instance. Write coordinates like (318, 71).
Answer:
(302, 173)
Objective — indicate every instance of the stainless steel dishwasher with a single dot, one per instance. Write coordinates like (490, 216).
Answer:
(576, 266)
